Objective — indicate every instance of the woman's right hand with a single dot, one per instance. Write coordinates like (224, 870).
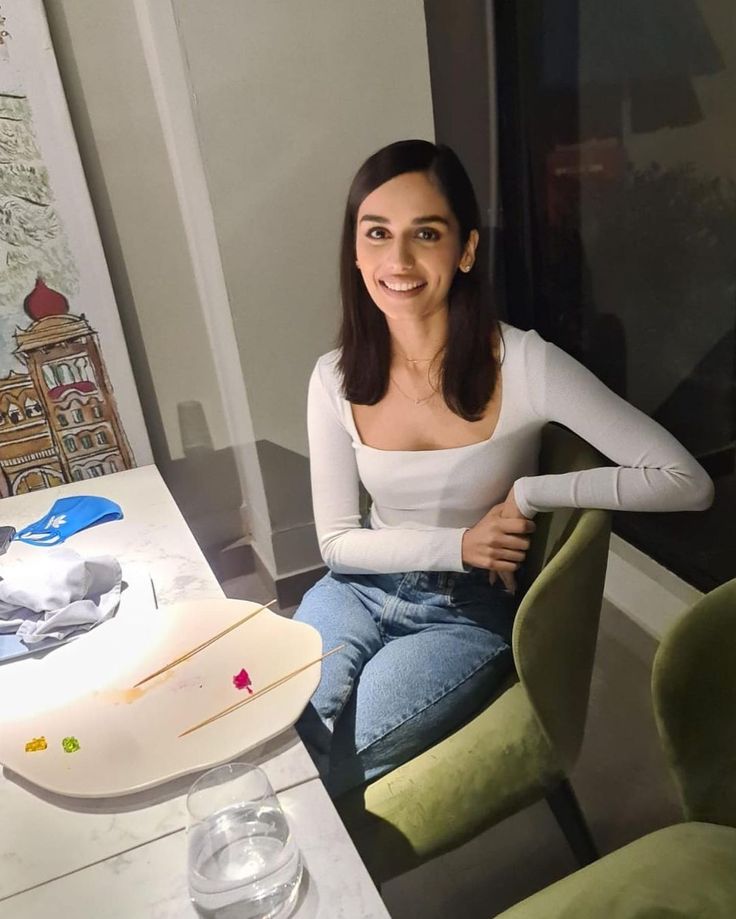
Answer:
(498, 543)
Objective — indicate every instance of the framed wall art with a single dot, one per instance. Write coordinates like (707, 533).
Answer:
(69, 409)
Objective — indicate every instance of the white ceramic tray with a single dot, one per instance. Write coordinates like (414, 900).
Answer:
(129, 738)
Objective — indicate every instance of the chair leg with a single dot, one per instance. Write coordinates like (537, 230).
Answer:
(569, 816)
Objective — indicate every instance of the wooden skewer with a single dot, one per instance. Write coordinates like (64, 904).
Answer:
(204, 644)
(260, 692)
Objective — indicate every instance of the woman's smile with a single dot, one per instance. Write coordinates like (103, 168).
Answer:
(402, 288)
(407, 244)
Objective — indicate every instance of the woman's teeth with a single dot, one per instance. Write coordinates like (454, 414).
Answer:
(405, 285)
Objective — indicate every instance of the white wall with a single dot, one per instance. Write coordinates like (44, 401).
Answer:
(290, 97)
(218, 150)
(126, 164)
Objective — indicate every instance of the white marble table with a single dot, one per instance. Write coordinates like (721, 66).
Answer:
(124, 858)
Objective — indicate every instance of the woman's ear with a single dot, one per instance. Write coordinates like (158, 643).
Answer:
(467, 259)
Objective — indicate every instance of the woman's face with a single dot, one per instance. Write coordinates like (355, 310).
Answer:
(408, 246)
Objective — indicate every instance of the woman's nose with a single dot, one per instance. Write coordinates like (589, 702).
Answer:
(400, 256)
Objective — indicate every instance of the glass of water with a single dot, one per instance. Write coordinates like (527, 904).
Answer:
(243, 860)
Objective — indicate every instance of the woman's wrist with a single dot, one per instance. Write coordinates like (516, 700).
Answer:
(518, 492)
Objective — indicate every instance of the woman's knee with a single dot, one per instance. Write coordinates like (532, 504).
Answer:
(340, 615)
(313, 599)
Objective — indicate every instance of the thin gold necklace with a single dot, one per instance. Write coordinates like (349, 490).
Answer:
(419, 360)
(413, 399)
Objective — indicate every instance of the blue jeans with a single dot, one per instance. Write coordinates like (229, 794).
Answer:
(423, 652)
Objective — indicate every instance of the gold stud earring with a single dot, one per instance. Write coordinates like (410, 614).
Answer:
(465, 268)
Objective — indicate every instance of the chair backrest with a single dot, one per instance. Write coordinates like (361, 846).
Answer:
(694, 695)
(556, 625)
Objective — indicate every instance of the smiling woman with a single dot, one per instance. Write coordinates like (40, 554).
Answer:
(411, 222)
(438, 409)
(408, 264)
(403, 257)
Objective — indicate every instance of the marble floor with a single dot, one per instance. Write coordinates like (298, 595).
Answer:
(620, 780)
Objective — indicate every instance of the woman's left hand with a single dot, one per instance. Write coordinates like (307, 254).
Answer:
(508, 508)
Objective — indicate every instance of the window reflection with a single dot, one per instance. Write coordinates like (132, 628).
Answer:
(631, 133)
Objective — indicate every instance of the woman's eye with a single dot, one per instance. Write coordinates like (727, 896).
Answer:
(424, 234)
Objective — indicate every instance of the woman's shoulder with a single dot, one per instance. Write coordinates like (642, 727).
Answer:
(329, 359)
(327, 366)
(519, 342)
(327, 371)
(514, 336)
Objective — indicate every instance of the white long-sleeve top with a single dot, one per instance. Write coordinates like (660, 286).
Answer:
(424, 500)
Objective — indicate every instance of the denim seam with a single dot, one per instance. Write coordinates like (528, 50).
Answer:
(441, 695)
(343, 700)
(390, 601)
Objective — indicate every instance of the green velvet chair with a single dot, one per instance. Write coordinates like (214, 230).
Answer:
(521, 747)
(687, 870)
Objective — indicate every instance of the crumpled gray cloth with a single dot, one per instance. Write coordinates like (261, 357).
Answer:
(59, 594)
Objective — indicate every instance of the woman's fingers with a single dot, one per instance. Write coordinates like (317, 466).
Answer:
(501, 565)
(510, 555)
(516, 525)
(509, 581)
(515, 542)
(498, 543)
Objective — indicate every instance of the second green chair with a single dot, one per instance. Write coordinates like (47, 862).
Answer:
(686, 871)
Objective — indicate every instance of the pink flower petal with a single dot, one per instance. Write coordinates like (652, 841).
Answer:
(242, 680)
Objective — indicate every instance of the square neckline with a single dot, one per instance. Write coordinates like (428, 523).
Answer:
(478, 443)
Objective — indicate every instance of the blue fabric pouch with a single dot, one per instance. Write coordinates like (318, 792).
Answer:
(67, 517)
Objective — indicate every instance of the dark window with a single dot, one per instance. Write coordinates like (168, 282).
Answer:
(617, 125)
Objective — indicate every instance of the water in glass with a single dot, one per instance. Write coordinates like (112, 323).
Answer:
(244, 863)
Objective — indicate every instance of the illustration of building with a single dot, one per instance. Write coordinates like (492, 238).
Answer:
(59, 421)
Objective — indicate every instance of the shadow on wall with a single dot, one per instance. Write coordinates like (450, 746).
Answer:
(289, 498)
(205, 484)
(286, 481)
(206, 487)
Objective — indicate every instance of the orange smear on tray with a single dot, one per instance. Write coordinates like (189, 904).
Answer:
(126, 696)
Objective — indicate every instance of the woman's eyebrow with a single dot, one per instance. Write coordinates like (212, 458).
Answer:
(429, 218)
(432, 218)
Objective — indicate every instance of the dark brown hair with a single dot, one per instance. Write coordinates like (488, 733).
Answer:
(469, 371)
